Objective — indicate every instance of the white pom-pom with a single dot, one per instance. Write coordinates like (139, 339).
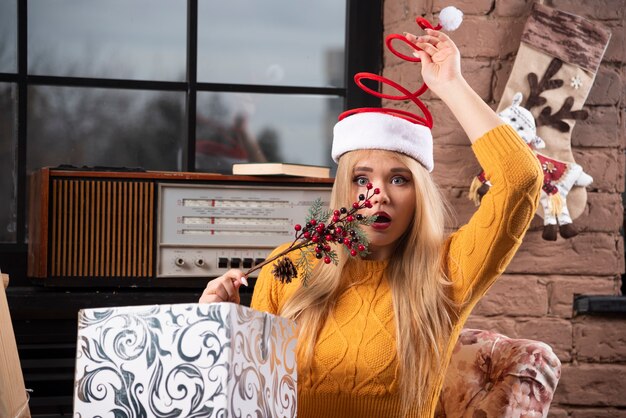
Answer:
(450, 18)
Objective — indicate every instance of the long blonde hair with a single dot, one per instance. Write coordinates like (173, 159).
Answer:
(418, 285)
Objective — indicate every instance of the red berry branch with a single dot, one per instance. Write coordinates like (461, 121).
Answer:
(314, 239)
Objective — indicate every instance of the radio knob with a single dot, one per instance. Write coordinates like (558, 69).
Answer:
(247, 263)
(234, 262)
(222, 262)
(180, 261)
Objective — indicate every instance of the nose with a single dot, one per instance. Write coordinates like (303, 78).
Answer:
(380, 198)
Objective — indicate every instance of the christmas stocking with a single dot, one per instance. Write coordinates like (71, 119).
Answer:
(553, 71)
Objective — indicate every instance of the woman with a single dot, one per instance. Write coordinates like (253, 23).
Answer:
(376, 334)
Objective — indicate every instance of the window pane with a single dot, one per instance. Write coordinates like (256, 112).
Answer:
(8, 144)
(244, 127)
(8, 36)
(134, 39)
(101, 127)
(273, 42)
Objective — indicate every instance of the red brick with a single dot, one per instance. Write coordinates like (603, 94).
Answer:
(555, 332)
(468, 7)
(607, 86)
(406, 75)
(601, 129)
(455, 166)
(556, 412)
(596, 254)
(599, 413)
(502, 72)
(600, 340)
(446, 129)
(616, 51)
(462, 207)
(479, 75)
(605, 165)
(513, 8)
(561, 291)
(403, 10)
(515, 295)
(592, 10)
(592, 385)
(482, 37)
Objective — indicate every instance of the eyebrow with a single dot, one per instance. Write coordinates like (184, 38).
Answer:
(393, 170)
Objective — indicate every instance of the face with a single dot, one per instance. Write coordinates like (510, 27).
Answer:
(395, 205)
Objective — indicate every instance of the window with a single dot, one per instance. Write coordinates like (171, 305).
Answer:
(8, 36)
(8, 148)
(179, 86)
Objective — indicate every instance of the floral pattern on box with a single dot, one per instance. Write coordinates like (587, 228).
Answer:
(191, 360)
(491, 375)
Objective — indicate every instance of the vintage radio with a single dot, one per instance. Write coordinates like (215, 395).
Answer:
(136, 228)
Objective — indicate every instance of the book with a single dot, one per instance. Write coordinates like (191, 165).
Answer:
(281, 169)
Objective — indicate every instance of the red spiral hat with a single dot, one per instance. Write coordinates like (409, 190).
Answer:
(388, 128)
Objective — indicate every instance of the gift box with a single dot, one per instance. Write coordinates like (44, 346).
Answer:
(184, 360)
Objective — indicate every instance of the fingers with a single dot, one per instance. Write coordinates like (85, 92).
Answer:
(431, 40)
(430, 44)
(437, 34)
(429, 48)
(423, 56)
(219, 291)
(224, 288)
(410, 37)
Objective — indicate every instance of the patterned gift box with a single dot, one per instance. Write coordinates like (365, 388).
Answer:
(186, 360)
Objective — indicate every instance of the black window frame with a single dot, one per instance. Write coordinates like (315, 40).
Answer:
(364, 31)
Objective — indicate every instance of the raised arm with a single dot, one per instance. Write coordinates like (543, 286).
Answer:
(480, 251)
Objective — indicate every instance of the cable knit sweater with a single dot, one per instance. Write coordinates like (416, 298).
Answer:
(355, 370)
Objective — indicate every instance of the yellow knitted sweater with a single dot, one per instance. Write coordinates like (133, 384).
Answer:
(355, 370)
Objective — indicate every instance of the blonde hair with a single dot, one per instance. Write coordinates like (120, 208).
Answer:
(419, 287)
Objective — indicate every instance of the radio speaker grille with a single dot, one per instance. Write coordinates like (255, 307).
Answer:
(101, 228)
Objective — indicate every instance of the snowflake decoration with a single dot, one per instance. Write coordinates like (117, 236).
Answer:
(576, 82)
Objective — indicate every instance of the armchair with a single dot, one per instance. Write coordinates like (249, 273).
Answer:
(491, 375)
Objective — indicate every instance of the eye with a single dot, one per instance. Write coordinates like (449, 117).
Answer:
(399, 180)
(361, 181)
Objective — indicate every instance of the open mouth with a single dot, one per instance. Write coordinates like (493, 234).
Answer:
(383, 220)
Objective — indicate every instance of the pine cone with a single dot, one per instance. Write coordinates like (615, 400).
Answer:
(284, 270)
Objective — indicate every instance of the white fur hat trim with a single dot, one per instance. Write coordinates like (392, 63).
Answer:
(373, 130)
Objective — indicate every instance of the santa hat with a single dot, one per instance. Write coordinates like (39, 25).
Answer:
(387, 128)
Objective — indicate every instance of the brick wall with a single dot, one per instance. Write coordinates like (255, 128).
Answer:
(534, 298)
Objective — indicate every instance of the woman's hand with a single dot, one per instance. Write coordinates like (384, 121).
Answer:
(441, 71)
(441, 60)
(225, 288)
